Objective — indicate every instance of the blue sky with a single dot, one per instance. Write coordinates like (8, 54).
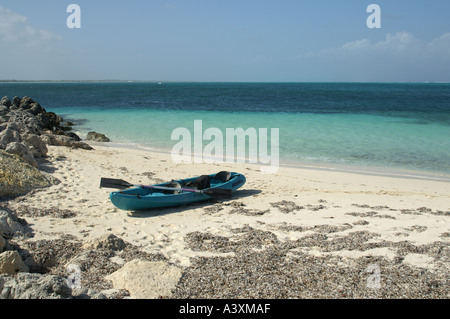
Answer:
(211, 40)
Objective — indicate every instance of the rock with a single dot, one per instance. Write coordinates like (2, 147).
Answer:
(25, 103)
(85, 293)
(15, 102)
(63, 140)
(109, 242)
(35, 108)
(18, 177)
(5, 101)
(11, 263)
(23, 151)
(36, 145)
(29, 117)
(40, 286)
(97, 137)
(2, 242)
(27, 122)
(35, 286)
(50, 120)
(3, 110)
(10, 225)
(146, 279)
(9, 135)
(74, 136)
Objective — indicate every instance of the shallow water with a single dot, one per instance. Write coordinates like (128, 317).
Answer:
(371, 125)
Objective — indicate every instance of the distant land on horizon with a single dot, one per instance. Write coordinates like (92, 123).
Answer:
(186, 81)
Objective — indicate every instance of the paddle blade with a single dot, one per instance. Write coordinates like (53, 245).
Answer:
(219, 193)
(114, 183)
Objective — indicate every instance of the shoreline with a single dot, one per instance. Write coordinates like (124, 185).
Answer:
(385, 171)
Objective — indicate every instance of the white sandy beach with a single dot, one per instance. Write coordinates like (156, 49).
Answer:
(318, 201)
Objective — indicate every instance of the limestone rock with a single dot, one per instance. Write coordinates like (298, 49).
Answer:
(26, 122)
(11, 263)
(9, 134)
(34, 286)
(10, 225)
(36, 145)
(97, 137)
(18, 177)
(3, 110)
(63, 140)
(146, 279)
(22, 151)
(15, 102)
(109, 242)
(5, 101)
(2, 242)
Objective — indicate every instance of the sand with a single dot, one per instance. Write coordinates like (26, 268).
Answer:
(290, 206)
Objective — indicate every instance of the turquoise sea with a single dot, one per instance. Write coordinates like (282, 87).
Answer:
(392, 128)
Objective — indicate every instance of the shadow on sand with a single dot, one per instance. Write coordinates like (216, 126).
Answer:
(170, 210)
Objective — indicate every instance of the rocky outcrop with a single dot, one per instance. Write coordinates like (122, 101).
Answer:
(70, 269)
(19, 278)
(26, 128)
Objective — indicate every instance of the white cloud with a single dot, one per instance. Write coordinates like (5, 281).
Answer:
(398, 57)
(440, 45)
(399, 43)
(15, 28)
(29, 53)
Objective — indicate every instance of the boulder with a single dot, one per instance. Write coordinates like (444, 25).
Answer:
(97, 137)
(9, 134)
(108, 241)
(64, 140)
(17, 177)
(25, 103)
(50, 120)
(35, 286)
(2, 242)
(73, 135)
(39, 286)
(25, 121)
(3, 110)
(15, 102)
(23, 151)
(146, 279)
(35, 108)
(36, 145)
(5, 101)
(11, 263)
(10, 225)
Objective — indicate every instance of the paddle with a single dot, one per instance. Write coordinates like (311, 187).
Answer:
(121, 184)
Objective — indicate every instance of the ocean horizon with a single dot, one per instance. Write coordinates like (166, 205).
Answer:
(395, 128)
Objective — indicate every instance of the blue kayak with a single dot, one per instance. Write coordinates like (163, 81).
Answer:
(176, 193)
